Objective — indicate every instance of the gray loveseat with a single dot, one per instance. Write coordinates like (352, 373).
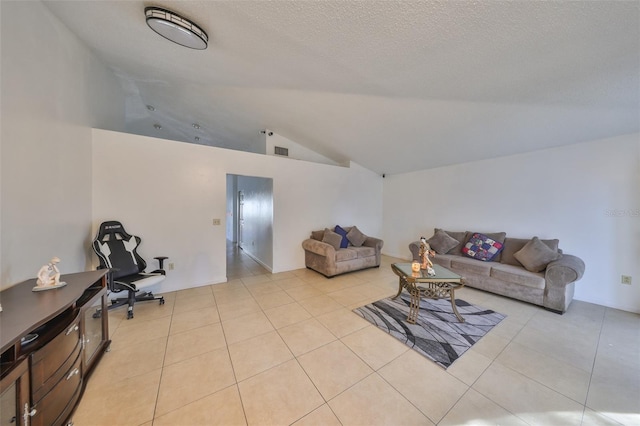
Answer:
(547, 280)
(322, 251)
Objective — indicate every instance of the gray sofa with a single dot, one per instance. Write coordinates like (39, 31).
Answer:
(325, 256)
(547, 280)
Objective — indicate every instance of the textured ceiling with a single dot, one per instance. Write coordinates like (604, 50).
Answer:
(395, 86)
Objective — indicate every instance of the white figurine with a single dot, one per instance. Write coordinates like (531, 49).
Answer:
(49, 274)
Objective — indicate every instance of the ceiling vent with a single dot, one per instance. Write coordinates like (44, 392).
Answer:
(278, 150)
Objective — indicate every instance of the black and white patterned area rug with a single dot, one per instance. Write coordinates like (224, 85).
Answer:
(437, 334)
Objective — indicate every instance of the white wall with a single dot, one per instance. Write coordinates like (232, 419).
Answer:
(257, 230)
(587, 195)
(168, 193)
(53, 91)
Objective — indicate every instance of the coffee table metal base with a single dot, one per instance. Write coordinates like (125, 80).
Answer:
(438, 287)
(430, 291)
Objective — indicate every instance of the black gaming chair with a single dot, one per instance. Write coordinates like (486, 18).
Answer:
(116, 250)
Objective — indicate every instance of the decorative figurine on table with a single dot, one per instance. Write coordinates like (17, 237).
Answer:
(49, 276)
(424, 253)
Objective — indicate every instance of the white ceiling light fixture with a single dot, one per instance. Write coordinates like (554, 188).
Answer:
(175, 28)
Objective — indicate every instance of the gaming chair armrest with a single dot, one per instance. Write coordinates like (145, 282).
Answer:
(161, 260)
(110, 281)
(110, 269)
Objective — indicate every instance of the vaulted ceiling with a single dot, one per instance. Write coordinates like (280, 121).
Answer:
(395, 86)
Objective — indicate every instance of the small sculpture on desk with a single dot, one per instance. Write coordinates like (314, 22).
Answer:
(424, 253)
(49, 276)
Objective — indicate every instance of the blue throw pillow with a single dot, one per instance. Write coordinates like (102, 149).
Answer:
(345, 241)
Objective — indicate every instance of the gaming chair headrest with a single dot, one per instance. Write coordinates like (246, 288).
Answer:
(108, 230)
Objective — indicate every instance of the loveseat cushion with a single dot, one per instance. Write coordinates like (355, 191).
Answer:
(364, 251)
(332, 238)
(466, 265)
(512, 245)
(355, 237)
(317, 235)
(344, 254)
(535, 255)
(517, 275)
(482, 247)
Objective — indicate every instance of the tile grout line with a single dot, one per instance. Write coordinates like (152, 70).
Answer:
(164, 357)
(593, 365)
(470, 387)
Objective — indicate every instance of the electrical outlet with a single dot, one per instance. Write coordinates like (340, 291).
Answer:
(216, 222)
(171, 266)
(626, 279)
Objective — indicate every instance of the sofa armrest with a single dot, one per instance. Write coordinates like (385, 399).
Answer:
(376, 243)
(319, 248)
(565, 270)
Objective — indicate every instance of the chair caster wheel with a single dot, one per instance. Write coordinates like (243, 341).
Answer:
(162, 301)
(129, 315)
(97, 314)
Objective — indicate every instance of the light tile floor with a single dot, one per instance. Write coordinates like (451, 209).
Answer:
(280, 349)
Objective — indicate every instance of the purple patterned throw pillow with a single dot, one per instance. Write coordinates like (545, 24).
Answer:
(482, 247)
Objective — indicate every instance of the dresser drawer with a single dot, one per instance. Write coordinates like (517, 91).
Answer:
(56, 405)
(51, 362)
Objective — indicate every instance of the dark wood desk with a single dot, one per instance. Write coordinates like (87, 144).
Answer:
(41, 381)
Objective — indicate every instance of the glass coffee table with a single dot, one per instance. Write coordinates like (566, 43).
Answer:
(418, 284)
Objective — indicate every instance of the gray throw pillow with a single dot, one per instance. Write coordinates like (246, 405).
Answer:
(462, 237)
(514, 245)
(355, 237)
(332, 238)
(441, 242)
(317, 235)
(536, 255)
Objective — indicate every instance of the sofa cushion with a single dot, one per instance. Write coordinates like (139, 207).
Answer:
(482, 247)
(442, 242)
(465, 265)
(355, 237)
(364, 251)
(332, 238)
(317, 235)
(536, 255)
(444, 260)
(344, 243)
(512, 245)
(346, 254)
(517, 275)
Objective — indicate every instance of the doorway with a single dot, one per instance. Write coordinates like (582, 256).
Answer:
(249, 225)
